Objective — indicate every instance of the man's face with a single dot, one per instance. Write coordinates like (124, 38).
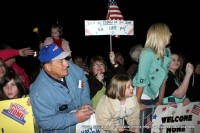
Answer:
(57, 68)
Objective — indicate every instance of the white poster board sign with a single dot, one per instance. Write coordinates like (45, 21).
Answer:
(109, 27)
(182, 119)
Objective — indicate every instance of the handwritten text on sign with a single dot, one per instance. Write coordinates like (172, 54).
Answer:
(108, 27)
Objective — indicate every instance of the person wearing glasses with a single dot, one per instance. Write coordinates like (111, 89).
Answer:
(100, 75)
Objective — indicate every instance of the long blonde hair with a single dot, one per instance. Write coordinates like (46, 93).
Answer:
(158, 37)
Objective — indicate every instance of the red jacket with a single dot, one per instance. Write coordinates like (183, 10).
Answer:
(8, 53)
(11, 53)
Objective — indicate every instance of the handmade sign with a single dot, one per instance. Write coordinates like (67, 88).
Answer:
(108, 27)
(16, 116)
(183, 119)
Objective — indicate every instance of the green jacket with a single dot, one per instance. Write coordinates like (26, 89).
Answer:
(152, 72)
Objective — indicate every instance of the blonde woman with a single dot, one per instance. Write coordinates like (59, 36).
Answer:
(154, 61)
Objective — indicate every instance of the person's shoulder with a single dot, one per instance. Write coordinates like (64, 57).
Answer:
(72, 64)
(104, 100)
(170, 74)
(74, 67)
(147, 52)
(132, 101)
(65, 41)
(48, 38)
(134, 98)
(104, 97)
(168, 51)
(109, 100)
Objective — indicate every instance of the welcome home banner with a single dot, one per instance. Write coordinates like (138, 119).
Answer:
(16, 116)
(182, 119)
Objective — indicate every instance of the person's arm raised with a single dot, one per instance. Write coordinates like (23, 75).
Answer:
(26, 52)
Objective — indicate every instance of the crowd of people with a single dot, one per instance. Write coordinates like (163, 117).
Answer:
(65, 91)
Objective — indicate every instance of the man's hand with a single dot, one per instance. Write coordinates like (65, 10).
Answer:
(87, 106)
(83, 114)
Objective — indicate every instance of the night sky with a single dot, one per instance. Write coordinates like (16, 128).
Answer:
(17, 24)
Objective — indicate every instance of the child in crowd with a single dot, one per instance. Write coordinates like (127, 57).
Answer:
(12, 88)
(57, 38)
(118, 103)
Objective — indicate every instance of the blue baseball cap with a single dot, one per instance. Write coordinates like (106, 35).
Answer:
(52, 52)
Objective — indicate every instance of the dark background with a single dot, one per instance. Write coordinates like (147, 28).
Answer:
(18, 21)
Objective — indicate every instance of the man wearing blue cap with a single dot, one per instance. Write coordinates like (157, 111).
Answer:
(60, 94)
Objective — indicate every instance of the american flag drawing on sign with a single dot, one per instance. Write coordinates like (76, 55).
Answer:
(196, 109)
(113, 12)
(149, 122)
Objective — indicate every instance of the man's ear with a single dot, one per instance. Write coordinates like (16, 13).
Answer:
(47, 67)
